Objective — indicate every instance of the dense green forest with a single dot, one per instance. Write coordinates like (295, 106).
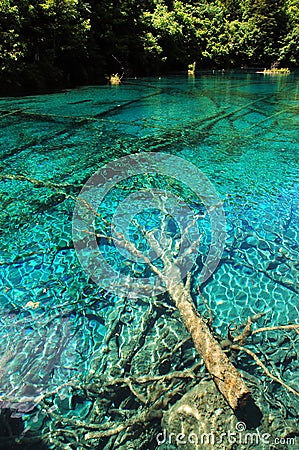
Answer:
(47, 43)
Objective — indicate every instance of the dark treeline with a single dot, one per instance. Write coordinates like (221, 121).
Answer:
(53, 43)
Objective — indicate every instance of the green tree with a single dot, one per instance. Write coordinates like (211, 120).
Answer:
(12, 48)
(44, 42)
(40, 40)
(182, 33)
(289, 53)
(266, 24)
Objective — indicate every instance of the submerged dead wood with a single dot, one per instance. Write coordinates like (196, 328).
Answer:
(223, 372)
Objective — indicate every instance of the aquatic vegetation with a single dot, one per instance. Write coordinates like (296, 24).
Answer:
(191, 68)
(115, 79)
(278, 71)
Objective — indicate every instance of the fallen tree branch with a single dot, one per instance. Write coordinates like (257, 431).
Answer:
(154, 411)
(242, 338)
(262, 366)
(11, 113)
(223, 372)
(36, 182)
(188, 373)
(278, 327)
(210, 319)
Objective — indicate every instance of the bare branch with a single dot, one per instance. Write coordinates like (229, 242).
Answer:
(262, 366)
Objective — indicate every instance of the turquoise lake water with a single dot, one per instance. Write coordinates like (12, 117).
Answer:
(240, 130)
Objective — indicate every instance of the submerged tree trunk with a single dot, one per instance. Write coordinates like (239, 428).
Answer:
(223, 372)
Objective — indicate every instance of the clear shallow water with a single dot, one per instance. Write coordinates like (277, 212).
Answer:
(241, 130)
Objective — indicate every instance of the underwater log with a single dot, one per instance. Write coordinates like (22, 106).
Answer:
(223, 372)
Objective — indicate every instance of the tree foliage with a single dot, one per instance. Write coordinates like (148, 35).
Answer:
(70, 41)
